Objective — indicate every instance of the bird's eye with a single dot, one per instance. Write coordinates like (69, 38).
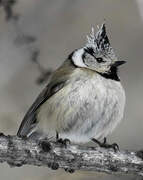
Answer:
(100, 60)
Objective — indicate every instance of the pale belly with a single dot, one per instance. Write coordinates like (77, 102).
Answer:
(83, 110)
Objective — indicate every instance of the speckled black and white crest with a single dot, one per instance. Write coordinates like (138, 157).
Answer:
(100, 42)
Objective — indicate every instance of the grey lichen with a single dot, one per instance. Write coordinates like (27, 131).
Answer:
(18, 152)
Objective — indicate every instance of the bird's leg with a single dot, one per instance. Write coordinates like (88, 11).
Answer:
(57, 136)
(104, 144)
(64, 142)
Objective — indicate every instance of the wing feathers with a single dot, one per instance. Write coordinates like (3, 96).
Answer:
(30, 121)
(58, 81)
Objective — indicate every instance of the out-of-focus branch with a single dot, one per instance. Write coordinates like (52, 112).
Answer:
(17, 152)
(25, 39)
(44, 73)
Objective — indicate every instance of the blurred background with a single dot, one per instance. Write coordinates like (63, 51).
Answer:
(45, 32)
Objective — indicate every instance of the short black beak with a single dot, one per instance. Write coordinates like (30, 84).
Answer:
(119, 63)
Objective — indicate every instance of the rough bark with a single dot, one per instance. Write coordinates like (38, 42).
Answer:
(18, 152)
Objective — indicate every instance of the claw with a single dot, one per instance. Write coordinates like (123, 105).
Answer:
(114, 146)
(69, 170)
(64, 142)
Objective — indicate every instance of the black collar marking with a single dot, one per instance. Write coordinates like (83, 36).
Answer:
(113, 74)
(71, 60)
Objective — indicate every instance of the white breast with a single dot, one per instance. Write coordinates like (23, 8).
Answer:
(89, 106)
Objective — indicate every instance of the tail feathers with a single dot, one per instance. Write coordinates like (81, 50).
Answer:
(27, 126)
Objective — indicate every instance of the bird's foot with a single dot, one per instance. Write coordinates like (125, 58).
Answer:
(104, 144)
(69, 170)
(63, 142)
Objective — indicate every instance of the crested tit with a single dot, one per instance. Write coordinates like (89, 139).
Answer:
(84, 99)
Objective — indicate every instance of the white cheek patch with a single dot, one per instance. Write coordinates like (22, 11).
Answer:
(77, 58)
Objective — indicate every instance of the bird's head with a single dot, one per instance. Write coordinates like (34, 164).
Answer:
(97, 54)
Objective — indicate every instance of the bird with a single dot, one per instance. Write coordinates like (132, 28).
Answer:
(84, 100)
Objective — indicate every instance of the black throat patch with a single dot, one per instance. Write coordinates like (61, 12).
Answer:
(113, 74)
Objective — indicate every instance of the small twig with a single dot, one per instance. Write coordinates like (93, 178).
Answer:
(17, 152)
(24, 39)
(44, 73)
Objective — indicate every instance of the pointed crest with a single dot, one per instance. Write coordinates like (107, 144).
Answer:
(99, 40)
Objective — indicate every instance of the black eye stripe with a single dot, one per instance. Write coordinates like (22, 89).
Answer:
(90, 51)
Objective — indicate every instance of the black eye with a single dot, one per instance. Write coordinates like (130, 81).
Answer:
(100, 60)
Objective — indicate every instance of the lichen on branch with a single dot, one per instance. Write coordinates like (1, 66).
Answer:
(18, 152)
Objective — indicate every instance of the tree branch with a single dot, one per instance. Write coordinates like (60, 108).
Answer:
(17, 152)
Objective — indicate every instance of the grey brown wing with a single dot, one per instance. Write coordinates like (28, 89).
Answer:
(29, 121)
